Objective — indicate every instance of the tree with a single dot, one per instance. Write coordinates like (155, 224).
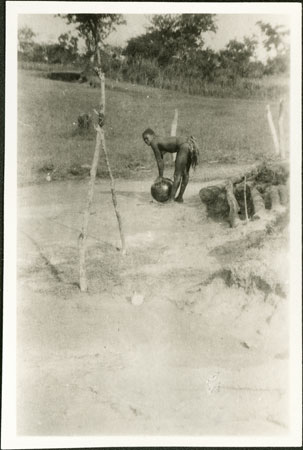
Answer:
(181, 34)
(67, 47)
(171, 35)
(68, 42)
(274, 42)
(25, 39)
(146, 46)
(187, 29)
(237, 56)
(206, 63)
(274, 37)
(94, 28)
(64, 51)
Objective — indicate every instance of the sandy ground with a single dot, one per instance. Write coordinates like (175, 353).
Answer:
(200, 355)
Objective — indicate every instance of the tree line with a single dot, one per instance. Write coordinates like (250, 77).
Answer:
(172, 48)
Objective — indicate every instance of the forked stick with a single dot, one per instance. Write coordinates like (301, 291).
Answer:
(100, 131)
(100, 141)
(83, 235)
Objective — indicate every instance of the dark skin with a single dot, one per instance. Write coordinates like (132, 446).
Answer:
(179, 145)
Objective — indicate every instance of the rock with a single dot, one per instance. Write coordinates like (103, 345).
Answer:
(137, 299)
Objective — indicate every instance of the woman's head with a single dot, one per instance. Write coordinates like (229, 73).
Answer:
(148, 136)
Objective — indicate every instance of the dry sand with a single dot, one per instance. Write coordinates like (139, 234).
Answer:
(174, 338)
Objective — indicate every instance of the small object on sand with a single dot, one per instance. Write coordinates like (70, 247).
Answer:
(161, 190)
(48, 177)
(137, 299)
(244, 344)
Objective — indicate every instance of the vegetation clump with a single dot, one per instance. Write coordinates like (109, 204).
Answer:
(171, 54)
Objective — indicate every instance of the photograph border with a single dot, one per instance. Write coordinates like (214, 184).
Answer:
(9, 437)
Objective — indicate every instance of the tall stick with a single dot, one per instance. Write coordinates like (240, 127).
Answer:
(100, 131)
(82, 240)
(83, 235)
(113, 191)
(272, 130)
(245, 201)
(281, 129)
(100, 141)
(173, 131)
(101, 77)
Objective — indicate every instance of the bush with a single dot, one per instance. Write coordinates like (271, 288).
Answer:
(178, 76)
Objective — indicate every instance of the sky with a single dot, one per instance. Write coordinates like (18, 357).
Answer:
(230, 26)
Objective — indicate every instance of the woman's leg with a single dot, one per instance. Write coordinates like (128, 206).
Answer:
(181, 172)
(185, 178)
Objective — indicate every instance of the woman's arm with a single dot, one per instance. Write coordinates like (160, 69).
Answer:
(159, 158)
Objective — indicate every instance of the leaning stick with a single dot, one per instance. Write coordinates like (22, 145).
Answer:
(272, 130)
(83, 235)
(100, 141)
(113, 191)
(281, 129)
(100, 131)
(173, 131)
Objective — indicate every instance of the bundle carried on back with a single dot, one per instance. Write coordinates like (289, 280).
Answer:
(194, 151)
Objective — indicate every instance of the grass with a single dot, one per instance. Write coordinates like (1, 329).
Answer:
(178, 79)
(46, 67)
(175, 78)
(228, 130)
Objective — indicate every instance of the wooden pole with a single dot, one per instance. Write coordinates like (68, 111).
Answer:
(101, 77)
(173, 131)
(113, 191)
(281, 129)
(174, 124)
(83, 235)
(100, 142)
(100, 131)
(272, 130)
(245, 201)
(102, 80)
(82, 240)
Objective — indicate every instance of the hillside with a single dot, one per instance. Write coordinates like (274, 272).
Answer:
(229, 131)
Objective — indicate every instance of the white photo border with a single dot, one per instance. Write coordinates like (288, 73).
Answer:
(9, 437)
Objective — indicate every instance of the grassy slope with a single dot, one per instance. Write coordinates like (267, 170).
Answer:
(227, 130)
